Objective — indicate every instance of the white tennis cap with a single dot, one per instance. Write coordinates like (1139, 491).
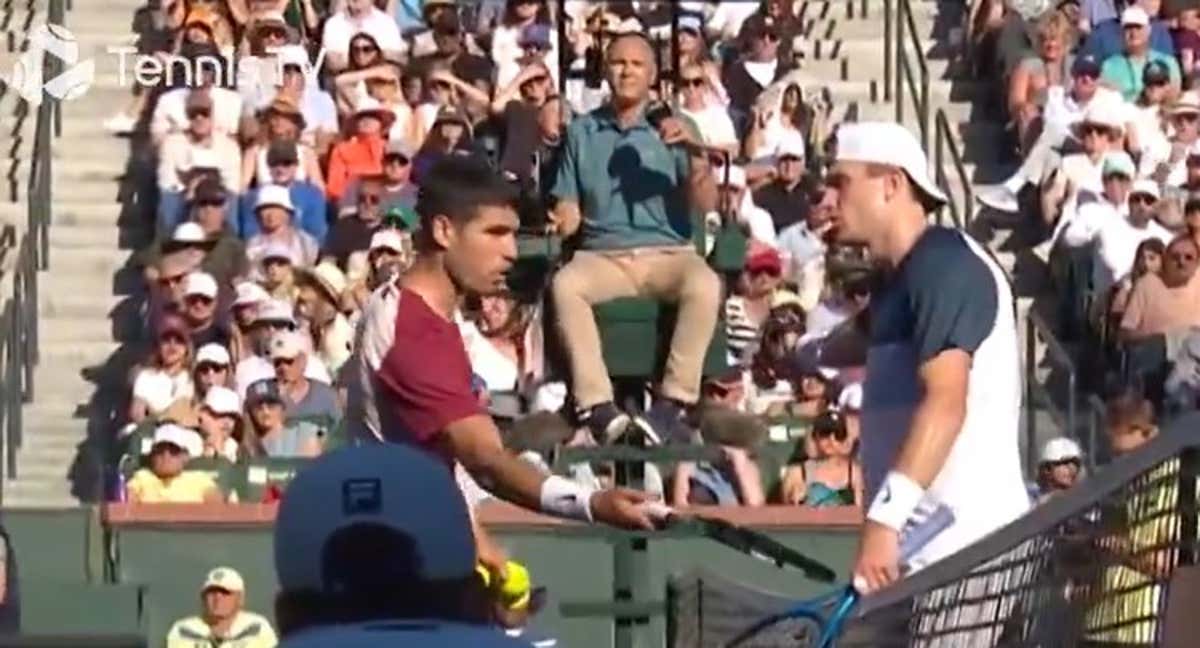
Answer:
(188, 232)
(1060, 449)
(249, 293)
(200, 283)
(180, 437)
(890, 144)
(222, 400)
(213, 353)
(1147, 187)
(274, 196)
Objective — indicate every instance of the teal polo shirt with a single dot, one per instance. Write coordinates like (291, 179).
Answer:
(1125, 74)
(630, 187)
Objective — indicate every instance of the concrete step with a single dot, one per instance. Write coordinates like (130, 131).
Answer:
(78, 354)
(25, 493)
(85, 236)
(846, 68)
(74, 329)
(63, 297)
(65, 385)
(98, 214)
(79, 264)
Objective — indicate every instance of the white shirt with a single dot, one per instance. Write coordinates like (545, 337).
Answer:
(1115, 238)
(764, 73)
(714, 124)
(729, 16)
(159, 389)
(179, 155)
(170, 113)
(341, 28)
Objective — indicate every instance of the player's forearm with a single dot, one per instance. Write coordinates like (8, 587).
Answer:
(935, 426)
(702, 185)
(507, 477)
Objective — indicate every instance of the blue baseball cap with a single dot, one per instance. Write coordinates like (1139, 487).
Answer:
(399, 500)
(535, 34)
(1085, 65)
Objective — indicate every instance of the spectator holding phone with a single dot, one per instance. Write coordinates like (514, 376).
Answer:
(627, 183)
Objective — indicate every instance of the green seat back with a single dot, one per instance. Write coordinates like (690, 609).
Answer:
(262, 474)
(224, 472)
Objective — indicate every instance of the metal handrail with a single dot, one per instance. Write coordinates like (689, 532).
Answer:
(905, 28)
(944, 140)
(1035, 392)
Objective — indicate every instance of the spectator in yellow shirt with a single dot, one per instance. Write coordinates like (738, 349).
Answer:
(222, 623)
(165, 481)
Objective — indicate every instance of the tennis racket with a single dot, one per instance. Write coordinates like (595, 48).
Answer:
(752, 543)
(818, 622)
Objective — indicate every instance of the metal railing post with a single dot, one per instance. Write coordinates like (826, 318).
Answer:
(888, 44)
(1030, 413)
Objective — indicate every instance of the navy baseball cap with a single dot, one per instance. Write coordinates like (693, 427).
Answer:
(1085, 65)
(1156, 72)
(399, 502)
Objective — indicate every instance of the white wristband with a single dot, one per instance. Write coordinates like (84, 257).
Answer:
(562, 497)
(896, 500)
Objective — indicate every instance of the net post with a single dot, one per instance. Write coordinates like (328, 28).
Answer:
(1188, 469)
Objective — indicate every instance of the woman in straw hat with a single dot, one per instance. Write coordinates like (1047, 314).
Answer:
(281, 121)
(1101, 130)
(322, 289)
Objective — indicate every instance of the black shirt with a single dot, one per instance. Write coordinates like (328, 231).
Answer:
(466, 66)
(786, 206)
(347, 236)
(215, 333)
(743, 89)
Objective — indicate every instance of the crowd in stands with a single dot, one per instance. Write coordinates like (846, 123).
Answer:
(1103, 102)
(287, 192)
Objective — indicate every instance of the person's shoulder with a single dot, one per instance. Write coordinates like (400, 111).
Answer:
(142, 477)
(427, 634)
(251, 622)
(943, 256)
(199, 479)
(189, 628)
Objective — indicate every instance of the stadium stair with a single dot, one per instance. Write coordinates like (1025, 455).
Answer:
(83, 308)
(843, 50)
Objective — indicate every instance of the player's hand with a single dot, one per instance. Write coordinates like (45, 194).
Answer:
(491, 556)
(878, 561)
(623, 508)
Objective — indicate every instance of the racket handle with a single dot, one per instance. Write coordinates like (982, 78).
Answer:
(917, 536)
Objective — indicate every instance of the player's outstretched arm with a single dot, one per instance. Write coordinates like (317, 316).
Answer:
(475, 443)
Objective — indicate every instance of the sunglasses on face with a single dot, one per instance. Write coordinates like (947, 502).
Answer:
(1142, 199)
(197, 113)
(1062, 462)
(364, 49)
(1189, 118)
(172, 339)
(1185, 257)
(692, 82)
(198, 299)
(209, 367)
(276, 261)
(758, 272)
(169, 448)
(368, 198)
(1087, 76)
(273, 32)
(838, 434)
(396, 159)
(283, 362)
(1095, 130)
(211, 203)
(167, 282)
(769, 36)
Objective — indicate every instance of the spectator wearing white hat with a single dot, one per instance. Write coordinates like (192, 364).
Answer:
(281, 159)
(390, 254)
(165, 480)
(1176, 197)
(271, 318)
(1124, 71)
(223, 621)
(243, 311)
(786, 196)
(1099, 131)
(200, 310)
(1107, 39)
(737, 204)
(305, 399)
(1060, 466)
(942, 392)
(276, 273)
(219, 422)
(321, 295)
(299, 86)
(275, 212)
(1115, 226)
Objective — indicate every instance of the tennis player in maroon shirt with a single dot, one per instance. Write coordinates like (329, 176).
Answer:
(414, 379)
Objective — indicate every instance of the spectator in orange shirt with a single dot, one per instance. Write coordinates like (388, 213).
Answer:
(362, 154)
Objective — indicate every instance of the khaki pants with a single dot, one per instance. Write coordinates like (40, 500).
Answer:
(676, 275)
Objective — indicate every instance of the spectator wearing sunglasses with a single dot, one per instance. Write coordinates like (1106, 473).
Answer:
(397, 188)
(272, 317)
(200, 311)
(352, 233)
(166, 377)
(754, 295)
(359, 16)
(165, 480)
(699, 102)
(303, 398)
(517, 106)
(759, 66)
(1123, 70)
(1059, 468)
(170, 112)
(362, 153)
(275, 213)
(1169, 303)
(206, 235)
(281, 159)
(525, 32)
(212, 368)
(831, 474)
(183, 156)
(735, 478)
(1114, 236)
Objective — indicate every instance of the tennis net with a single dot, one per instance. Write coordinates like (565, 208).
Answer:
(1092, 566)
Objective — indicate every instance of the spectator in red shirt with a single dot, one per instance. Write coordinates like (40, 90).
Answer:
(465, 244)
(362, 154)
